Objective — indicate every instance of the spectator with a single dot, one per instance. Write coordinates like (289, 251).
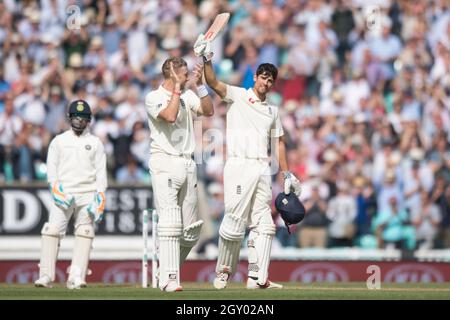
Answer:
(130, 173)
(341, 212)
(366, 205)
(441, 197)
(56, 112)
(313, 229)
(385, 48)
(391, 229)
(426, 218)
(10, 128)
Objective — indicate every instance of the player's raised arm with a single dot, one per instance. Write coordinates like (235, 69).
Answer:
(206, 104)
(172, 81)
(202, 48)
(219, 87)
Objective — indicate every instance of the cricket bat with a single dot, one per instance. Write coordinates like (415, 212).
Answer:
(219, 23)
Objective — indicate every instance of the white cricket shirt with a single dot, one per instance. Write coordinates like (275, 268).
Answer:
(172, 138)
(250, 124)
(77, 162)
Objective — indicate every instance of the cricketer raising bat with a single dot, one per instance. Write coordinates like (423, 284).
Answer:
(203, 43)
(219, 23)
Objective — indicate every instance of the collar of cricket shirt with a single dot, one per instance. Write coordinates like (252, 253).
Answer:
(252, 97)
(83, 134)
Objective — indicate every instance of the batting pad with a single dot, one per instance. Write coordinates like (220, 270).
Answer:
(260, 244)
(190, 237)
(170, 230)
(84, 234)
(228, 256)
(232, 231)
(50, 242)
(232, 228)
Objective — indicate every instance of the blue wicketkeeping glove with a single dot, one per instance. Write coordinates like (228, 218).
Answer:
(97, 207)
(61, 199)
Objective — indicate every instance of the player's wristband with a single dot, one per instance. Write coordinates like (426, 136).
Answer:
(202, 91)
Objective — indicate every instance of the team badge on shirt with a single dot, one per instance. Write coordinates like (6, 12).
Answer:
(87, 147)
(183, 105)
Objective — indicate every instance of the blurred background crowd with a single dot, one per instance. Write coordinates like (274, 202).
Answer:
(363, 90)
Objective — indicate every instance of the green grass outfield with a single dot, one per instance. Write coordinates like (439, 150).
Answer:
(235, 291)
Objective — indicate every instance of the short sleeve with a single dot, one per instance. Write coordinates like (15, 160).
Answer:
(277, 128)
(153, 106)
(232, 93)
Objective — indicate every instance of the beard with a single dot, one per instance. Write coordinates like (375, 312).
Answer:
(78, 126)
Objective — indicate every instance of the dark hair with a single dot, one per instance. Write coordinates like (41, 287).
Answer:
(268, 69)
(177, 64)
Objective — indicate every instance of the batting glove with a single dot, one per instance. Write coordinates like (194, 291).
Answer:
(97, 207)
(291, 183)
(61, 199)
(202, 48)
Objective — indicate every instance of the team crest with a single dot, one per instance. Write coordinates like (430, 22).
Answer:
(183, 105)
(88, 147)
(80, 106)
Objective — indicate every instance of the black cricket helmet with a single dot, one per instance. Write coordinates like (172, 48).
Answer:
(79, 115)
(291, 209)
(80, 108)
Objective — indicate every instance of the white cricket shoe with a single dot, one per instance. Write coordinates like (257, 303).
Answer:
(220, 282)
(172, 286)
(43, 282)
(252, 284)
(75, 283)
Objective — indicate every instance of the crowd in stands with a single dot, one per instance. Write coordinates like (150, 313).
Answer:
(363, 90)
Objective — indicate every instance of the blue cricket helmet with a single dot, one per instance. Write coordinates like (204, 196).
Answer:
(291, 209)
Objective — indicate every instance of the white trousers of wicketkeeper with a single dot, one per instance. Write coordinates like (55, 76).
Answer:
(248, 194)
(174, 181)
(56, 228)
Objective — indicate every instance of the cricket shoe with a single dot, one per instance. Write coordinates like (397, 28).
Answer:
(75, 283)
(252, 284)
(172, 286)
(43, 282)
(220, 282)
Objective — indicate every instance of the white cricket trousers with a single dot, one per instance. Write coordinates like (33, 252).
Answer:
(248, 190)
(174, 182)
(60, 218)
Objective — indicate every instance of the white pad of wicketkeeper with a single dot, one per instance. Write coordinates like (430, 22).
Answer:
(259, 247)
(84, 235)
(50, 242)
(232, 232)
(170, 230)
(191, 234)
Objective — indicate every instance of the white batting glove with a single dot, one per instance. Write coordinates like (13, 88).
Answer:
(97, 207)
(202, 48)
(62, 200)
(291, 183)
